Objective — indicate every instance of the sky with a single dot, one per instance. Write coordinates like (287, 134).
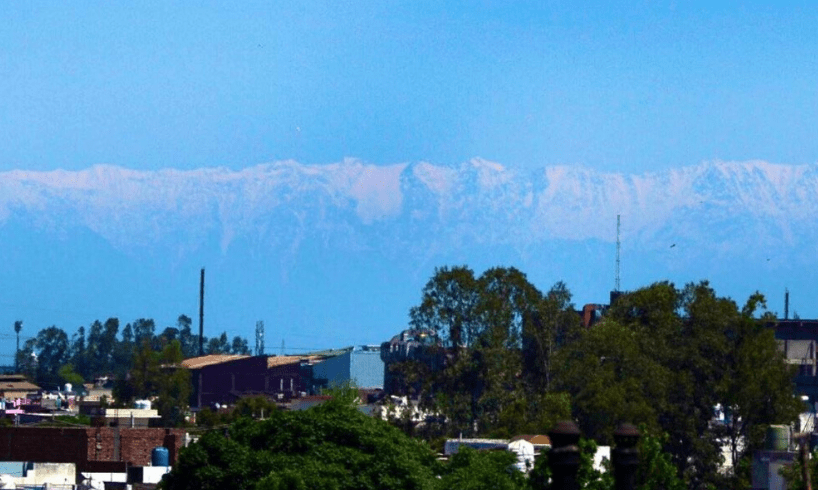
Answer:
(623, 87)
(616, 86)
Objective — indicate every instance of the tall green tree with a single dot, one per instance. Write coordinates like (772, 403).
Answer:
(53, 351)
(499, 334)
(666, 358)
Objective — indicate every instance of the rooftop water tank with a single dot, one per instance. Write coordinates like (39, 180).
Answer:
(778, 437)
(160, 456)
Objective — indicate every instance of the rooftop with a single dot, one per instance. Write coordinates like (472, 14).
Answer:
(210, 360)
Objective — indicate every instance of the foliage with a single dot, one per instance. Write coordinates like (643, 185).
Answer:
(254, 407)
(499, 335)
(794, 473)
(68, 375)
(470, 469)
(666, 358)
(73, 419)
(331, 446)
(655, 468)
(157, 375)
(102, 350)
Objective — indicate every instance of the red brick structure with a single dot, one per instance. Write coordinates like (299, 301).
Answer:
(91, 449)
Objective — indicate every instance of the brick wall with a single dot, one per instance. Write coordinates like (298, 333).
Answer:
(87, 446)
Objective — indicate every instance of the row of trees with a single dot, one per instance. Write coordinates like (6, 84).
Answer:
(52, 358)
(336, 446)
(517, 359)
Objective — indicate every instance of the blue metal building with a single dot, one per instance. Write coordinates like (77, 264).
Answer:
(360, 365)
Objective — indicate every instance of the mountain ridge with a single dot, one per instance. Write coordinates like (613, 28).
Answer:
(478, 200)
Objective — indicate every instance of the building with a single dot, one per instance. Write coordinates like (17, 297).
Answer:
(91, 449)
(223, 379)
(410, 345)
(797, 340)
(360, 366)
(16, 386)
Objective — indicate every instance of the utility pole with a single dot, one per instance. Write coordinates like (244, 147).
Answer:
(616, 280)
(201, 313)
(18, 325)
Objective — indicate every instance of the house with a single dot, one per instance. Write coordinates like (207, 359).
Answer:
(16, 386)
(419, 345)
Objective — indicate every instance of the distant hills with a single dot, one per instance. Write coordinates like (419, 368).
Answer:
(329, 247)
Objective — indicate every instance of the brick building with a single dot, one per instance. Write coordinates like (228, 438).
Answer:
(225, 378)
(92, 449)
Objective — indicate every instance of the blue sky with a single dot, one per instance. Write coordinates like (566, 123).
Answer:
(626, 87)
(622, 87)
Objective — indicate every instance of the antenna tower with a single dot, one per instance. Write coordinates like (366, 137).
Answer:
(616, 281)
(259, 338)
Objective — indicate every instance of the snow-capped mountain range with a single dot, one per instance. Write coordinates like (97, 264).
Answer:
(373, 230)
(420, 205)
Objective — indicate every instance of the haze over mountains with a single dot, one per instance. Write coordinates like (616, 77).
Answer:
(330, 255)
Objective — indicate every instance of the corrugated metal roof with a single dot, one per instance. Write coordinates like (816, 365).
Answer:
(18, 386)
(210, 359)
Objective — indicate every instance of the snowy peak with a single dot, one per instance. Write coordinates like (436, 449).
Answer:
(421, 205)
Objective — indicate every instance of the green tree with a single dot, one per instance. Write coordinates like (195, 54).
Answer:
(68, 375)
(500, 335)
(218, 345)
(239, 346)
(666, 358)
(53, 352)
(156, 374)
(482, 470)
(332, 446)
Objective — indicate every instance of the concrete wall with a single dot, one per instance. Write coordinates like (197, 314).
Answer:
(333, 371)
(366, 370)
(361, 366)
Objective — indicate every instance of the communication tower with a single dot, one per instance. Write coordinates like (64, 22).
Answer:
(259, 338)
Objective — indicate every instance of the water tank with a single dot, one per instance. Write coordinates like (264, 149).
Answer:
(160, 456)
(142, 404)
(778, 437)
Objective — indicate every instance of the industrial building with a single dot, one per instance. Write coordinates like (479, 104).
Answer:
(360, 366)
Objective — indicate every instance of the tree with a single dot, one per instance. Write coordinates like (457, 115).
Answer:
(78, 354)
(53, 348)
(68, 375)
(218, 345)
(239, 346)
(173, 385)
(143, 329)
(157, 374)
(470, 469)
(666, 358)
(18, 326)
(332, 446)
(190, 342)
(499, 335)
